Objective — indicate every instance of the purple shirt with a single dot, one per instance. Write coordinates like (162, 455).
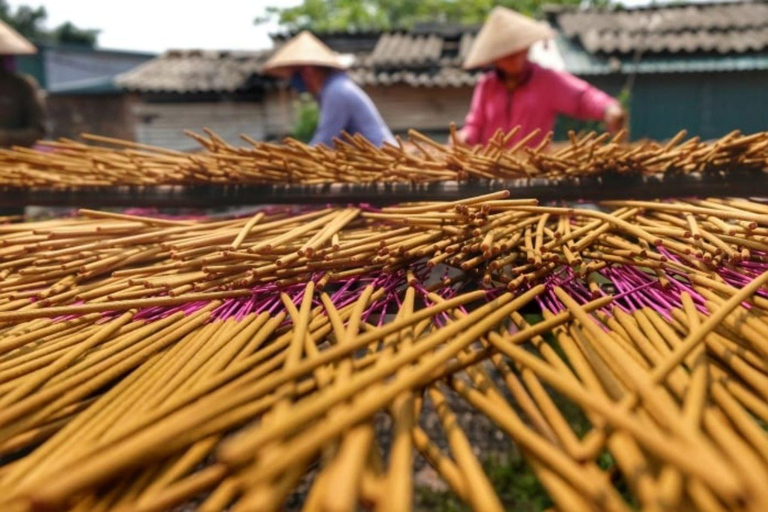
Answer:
(534, 104)
(345, 107)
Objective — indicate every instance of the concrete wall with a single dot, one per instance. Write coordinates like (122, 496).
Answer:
(163, 124)
(427, 109)
(109, 115)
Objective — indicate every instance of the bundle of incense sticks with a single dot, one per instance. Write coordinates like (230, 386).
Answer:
(113, 162)
(147, 363)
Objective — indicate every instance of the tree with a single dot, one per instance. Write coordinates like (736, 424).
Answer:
(68, 33)
(330, 15)
(29, 22)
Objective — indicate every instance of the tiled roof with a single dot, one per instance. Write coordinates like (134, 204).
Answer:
(399, 50)
(442, 77)
(421, 58)
(195, 71)
(582, 63)
(341, 41)
(671, 38)
(736, 27)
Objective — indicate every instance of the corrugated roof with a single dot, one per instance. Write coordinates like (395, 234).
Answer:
(442, 77)
(195, 71)
(670, 39)
(750, 39)
(430, 60)
(100, 85)
(405, 50)
(735, 27)
(582, 63)
(725, 63)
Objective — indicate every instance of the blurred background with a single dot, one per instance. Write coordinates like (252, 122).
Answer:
(146, 70)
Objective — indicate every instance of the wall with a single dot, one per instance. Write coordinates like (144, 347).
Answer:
(427, 109)
(109, 115)
(706, 104)
(163, 124)
(278, 113)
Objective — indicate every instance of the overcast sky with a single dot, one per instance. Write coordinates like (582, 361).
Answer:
(158, 25)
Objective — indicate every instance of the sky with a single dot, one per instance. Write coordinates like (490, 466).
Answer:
(159, 25)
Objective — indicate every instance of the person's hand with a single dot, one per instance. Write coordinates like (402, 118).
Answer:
(615, 118)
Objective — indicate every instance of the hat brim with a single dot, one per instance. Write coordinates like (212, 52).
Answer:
(505, 32)
(303, 50)
(13, 43)
(491, 57)
(286, 66)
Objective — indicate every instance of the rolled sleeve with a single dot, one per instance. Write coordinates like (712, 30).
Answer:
(579, 99)
(594, 102)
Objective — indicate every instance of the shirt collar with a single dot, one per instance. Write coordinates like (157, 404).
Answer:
(524, 77)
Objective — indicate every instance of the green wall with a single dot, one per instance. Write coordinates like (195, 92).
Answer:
(33, 65)
(706, 104)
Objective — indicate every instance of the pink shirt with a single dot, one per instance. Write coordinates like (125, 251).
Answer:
(534, 104)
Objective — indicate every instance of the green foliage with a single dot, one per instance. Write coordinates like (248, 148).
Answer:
(344, 15)
(513, 480)
(445, 501)
(625, 98)
(517, 485)
(307, 115)
(26, 20)
(68, 33)
(29, 22)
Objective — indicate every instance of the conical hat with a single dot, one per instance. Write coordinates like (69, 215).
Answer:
(12, 43)
(304, 50)
(504, 32)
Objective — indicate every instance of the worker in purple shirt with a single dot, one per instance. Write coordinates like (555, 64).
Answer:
(312, 67)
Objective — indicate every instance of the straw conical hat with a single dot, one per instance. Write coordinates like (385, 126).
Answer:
(304, 50)
(12, 43)
(504, 32)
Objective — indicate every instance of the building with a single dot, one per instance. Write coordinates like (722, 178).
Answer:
(81, 95)
(702, 67)
(194, 89)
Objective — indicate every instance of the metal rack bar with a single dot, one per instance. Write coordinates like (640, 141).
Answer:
(733, 184)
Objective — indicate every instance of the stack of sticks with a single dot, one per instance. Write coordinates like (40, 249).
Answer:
(113, 162)
(147, 363)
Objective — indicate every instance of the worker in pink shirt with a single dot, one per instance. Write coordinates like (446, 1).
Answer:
(518, 92)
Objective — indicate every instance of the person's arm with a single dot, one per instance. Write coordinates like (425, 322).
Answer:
(576, 98)
(473, 123)
(334, 117)
(34, 113)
